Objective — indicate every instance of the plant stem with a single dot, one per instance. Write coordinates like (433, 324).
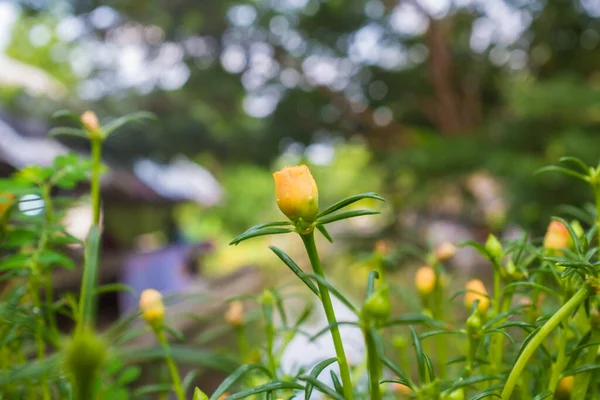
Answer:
(373, 365)
(177, 387)
(560, 360)
(48, 283)
(497, 342)
(438, 314)
(582, 381)
(242, 341)
(95, 185)
(567, 308)
(313, 255)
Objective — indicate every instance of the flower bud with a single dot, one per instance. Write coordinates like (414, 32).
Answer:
(474, 325)
(565, 385)
(476, 291)
(401, 389)
(445, 251)
(425, 280)
(494, 248)
(235, 314)
(457, 394)
(378, 306)
(557, 237)
(152, 307)
(297, 193)
(90, 120)
(223, 396)
(84, 357)
(382, 248)
(6, 200)
(200, 395)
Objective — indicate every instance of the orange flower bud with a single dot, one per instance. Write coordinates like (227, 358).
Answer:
(152, 307)
(297, 193)
(223, 396)
(476, 291)
(565, 385)
(382, 247)
(445, 252)
(6, 200)
(557, 236)
(425, 280)
(401, 389)
(235, 314)
(90, 120)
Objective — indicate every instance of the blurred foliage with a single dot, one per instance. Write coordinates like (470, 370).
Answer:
(431, 97)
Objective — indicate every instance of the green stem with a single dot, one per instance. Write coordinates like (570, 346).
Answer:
(177, 387)
(567, 308)
(373, 365)
(270, 346)
(497, 342)
(559, 365)
(438, 314)
(582, 381)
(95, 185)
(242, 341)
(313, 255)
(48, 283)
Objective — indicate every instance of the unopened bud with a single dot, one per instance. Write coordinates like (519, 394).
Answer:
(84, 357)
(476, 291)
(383, 247)
(401, 389)
(445, 251)
(474, 324)
(457, 394)
(235, 314)
(152, 307)
(378, 306)
(90, 120)
(199, 395)
(425, 280)
(494, 248)
(565, 385)
(557, 237)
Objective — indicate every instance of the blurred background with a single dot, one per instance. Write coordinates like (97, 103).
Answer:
(445, 107)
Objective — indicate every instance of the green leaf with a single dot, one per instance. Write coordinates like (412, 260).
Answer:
(321, 387)
(414, 318)
(581, 369)
(566, 171)
(51, 257)
(473, 380)
(260, 232)
(573, 234)
(322, 281)
(180, 353)
(87, 302)
(577, 161)
(533, 285)
(330, 326)
(427, 334)
(486, 393)
(315, 372)
(66, 114)
(349, 200)
(115, 287)
(151, 389)
(268, 387)
(543, 395)
(295, 269)
(398, 371)
(231, 379)
(187, 380)
(419, 353)
(129, 375)
(65, 131)
(371, 283)
(135, 117)
(336, 382)
(327, 219)
(323, 230)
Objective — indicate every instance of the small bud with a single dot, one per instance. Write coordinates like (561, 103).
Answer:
(565, 385)
(90, 120)
(235, 314)
(199, 395)
(457, 394)
(474, 324)
(378, 306)
(425, 280)
(84, 357)
(223, 396)
(382, 247)
(297, 193)
(268, 298)
(494, 248)
(445, 251)
(476, 291)
(401, 389)
(557, 237)
(399, 342)
(152, 307)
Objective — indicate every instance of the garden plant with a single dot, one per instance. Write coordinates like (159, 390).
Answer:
(534, 333)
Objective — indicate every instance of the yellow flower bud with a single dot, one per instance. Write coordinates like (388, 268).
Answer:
(401, 389)
(425, 280)
(90, 120)
(557, 236)
(235, 314)
(476, 291)
(445, 252)
(6, 200)
(152, 307)
(565, 385)
(297, 193)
